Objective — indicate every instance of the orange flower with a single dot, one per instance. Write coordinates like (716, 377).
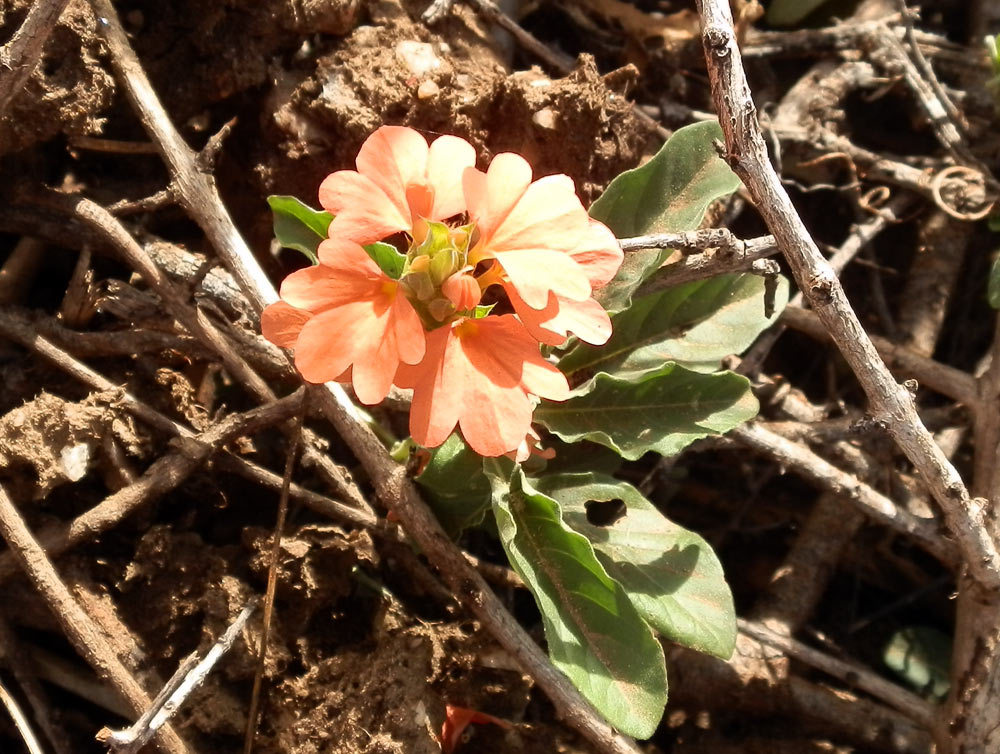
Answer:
(529, 228)
(399, 181)
(479, 374)
(347, 319)
(345, 313)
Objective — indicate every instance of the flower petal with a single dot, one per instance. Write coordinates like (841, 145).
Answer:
(536, 272)
(362, 211)
(599, 253)
(434, 412)
(477, 374)
(498, 424)
(408, 330)
(349, 258)
(492, 195)
(560, 317)
(281, 323)
(547, 216)
(321, 287)
(330, 342)
(447, 160)
(393, 157)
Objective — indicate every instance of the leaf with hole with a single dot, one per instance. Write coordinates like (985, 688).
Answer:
(695, 325)
(669, 193)
(662, 411)
(671, 574)
(594, 633)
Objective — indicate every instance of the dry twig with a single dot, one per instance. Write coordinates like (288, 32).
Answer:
(163, 475)
(20, 720)
(905, 701)
(191, 673)
(78, 626)
(891, 403)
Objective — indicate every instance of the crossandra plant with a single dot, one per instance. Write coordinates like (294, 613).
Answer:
(512, 315)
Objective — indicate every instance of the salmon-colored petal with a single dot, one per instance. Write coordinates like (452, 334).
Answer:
(397, 335)
(547, 216)
(536, 272)
(474, 374)
(281, 323)
(505, 349)
(362, 210)
(457, 719)
(599, 253)
(393, 157)
(348, 258)
(375, 368)
(497, 349)
(433, 412)
(320, 287)
(329, 342)
(408, 330)
(561, 317)
(447, 160)
(497, 427)
(491, 197)
(544, 380)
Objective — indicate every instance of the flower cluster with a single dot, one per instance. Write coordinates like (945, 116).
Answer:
(496, 265)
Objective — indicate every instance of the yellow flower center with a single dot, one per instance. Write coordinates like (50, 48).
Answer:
(467, 328)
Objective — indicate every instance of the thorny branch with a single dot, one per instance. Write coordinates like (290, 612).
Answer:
(890, 402)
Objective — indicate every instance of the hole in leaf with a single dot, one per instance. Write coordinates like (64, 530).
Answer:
(605, 512)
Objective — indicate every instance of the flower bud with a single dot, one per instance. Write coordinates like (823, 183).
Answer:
(440, 309)
(443, 265)
(463, 291)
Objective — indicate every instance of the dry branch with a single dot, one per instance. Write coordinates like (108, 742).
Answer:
(78, 626)
(890, 402)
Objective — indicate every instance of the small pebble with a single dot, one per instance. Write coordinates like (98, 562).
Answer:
(546, 118)
(427, 90)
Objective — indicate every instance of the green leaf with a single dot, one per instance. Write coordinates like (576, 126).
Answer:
(662, 411)
(671, 574)
(790, 12)
(993, 286)
(297, 225)
(922, 657)
(695, 325)
(387, 257)
(669, 193)
(594, 633)
(455, 487)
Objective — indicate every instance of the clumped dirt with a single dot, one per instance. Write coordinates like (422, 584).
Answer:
(71, 89)
(456, 80)
(58, 440)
